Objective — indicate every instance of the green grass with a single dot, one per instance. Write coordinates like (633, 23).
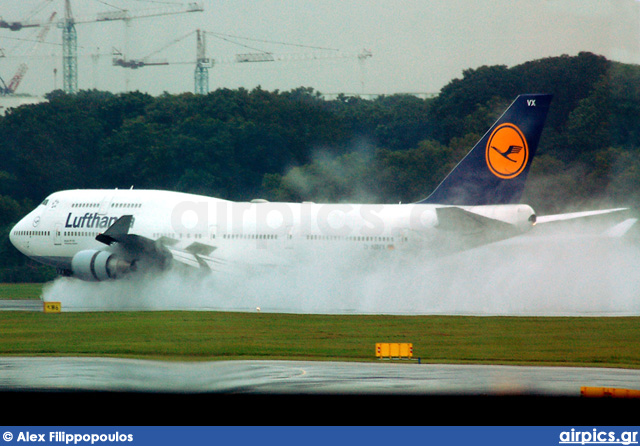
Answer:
(20, 290)
(603, 342)
(203, 335)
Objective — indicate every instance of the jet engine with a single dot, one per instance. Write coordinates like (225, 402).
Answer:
(96, 265)
(525, 218)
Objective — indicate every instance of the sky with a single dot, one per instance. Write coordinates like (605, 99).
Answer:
(417, 46)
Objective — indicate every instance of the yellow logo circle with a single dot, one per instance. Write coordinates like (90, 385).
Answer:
(507, 151)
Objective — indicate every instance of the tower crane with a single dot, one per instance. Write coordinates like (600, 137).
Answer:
(17, 26)
(321, 53)
(203, 63)
(120, 60)
(70, 57)
(23, 67)
(108, 16)
(70, 39)
(69, 51)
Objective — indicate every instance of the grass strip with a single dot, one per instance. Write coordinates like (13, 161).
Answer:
(20, 291)
(199, 335)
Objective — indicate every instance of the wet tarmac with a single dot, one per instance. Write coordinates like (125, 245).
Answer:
(159, 387)
(304, 377)
(69, 391)
(21, 305)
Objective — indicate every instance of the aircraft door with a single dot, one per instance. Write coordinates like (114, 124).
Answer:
(57, 234)
(288, 237)
(104, 204)
(400, 237)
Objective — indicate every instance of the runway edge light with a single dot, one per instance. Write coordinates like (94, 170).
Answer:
(52, 307)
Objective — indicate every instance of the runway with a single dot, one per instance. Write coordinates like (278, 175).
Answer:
(296, 377)
(303, 377)
(243, 391)
(109, 391)
(21, 305)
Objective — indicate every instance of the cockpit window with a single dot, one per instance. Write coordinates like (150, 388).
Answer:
(45, 202)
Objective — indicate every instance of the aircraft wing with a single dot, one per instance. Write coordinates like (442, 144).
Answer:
(162, 251)
(197, 255)
(201, 255)
(134, 246)
(158, 252)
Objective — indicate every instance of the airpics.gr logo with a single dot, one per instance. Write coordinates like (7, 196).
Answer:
(507, 151)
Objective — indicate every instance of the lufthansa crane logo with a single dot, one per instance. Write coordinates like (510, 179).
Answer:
(507, 151)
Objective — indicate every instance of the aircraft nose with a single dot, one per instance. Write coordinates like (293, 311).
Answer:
(12, 234)
(15, 236)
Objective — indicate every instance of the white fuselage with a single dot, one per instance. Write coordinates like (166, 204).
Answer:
(68, 222)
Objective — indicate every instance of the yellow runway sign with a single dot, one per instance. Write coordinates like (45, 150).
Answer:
(394, 350)
(52, 307)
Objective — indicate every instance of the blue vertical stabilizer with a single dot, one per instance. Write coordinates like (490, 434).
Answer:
(495, 170)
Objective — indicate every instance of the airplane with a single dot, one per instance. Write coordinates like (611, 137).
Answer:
(99, 235)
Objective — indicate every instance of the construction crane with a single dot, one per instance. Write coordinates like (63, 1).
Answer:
(201, 74)
(122, 14)
(203, 63)
(17, 26)
(70, 37)
(202, 82)
(23, 67)
(69, 51)
(120, 60)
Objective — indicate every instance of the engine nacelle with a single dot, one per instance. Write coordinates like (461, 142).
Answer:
(95, 265)
(525, 217)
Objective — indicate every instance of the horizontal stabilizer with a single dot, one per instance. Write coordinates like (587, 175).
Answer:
(617, 222)
(578, 215)
(621, 229)
(458, 220)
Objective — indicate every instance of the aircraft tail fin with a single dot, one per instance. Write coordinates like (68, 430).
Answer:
(495, 170)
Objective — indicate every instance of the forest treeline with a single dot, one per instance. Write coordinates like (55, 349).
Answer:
(295, 145)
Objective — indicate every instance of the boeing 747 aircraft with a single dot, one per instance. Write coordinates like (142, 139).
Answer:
(100, 235)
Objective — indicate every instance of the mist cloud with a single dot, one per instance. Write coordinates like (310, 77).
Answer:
(537, 274)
